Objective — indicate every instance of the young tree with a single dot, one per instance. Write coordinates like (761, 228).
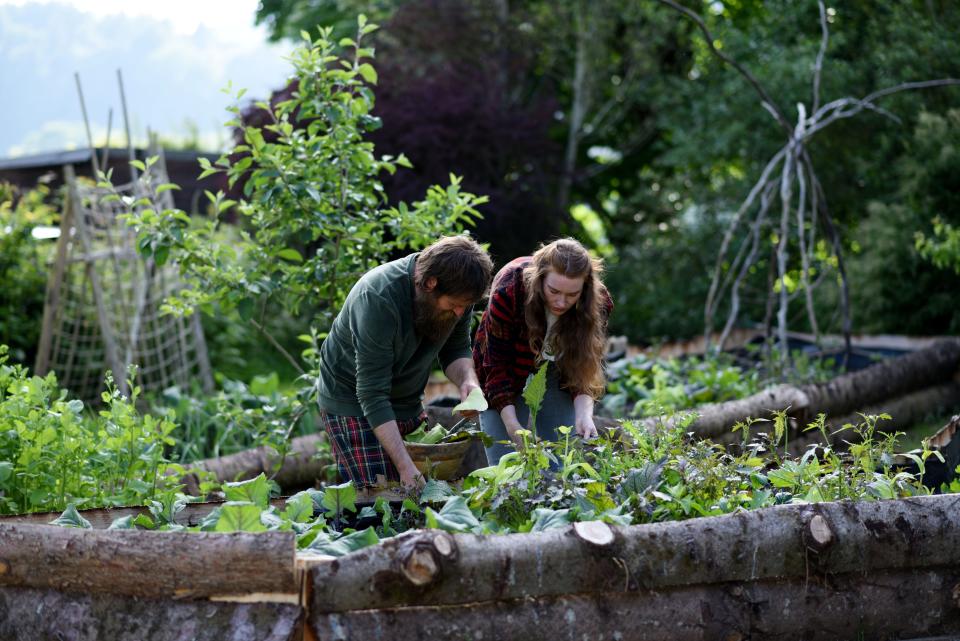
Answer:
(312, 196)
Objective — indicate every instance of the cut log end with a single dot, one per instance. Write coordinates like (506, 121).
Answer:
(594, 532)
(819, 533)
(444, 544)
(419, 567)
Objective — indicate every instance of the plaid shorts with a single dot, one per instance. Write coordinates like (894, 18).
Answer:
(360, 457)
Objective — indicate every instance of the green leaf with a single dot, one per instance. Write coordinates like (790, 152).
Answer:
(533, 393)
(144, 521)
(436, 491)
(339, 498)
(236, 516)
(167, 187)
(255, 491)
(368, 72)
(245, 309)
(474, 402)
(455, 516)
(290, 254)
(71, 518)
(123, 523)
(298, 508)
(265, 385)
(345, 544)
(6, 471)
(547, 519)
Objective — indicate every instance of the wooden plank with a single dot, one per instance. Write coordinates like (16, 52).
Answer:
(147, 564)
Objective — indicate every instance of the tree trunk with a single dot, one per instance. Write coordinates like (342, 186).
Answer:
(904, 411)
(798, 541)
(840, 397)
(300, 468)
(31, 615)
(578, 109)
(148, 564)
(880, 606)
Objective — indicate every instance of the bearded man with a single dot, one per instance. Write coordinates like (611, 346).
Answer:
(397, 321)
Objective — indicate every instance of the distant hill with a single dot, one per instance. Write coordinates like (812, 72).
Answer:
(172, 81)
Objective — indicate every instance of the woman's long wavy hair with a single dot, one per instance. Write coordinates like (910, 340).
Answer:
(581, 331)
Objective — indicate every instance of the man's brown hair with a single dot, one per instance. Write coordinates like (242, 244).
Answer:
(461, 266)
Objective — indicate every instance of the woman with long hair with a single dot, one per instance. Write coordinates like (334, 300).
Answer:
(547, 308)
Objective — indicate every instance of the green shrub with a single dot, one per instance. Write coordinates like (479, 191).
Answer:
(54, 452)
(23, 267)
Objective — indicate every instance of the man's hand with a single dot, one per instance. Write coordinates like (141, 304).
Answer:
(461, 373)
(465, 390)
(389, 436)
(411, 478)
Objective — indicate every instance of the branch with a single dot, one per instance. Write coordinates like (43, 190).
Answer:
(859, 105)
(786, 182)
(273, 341)
(804, 257)
(710, 307)
(769, 104)
(745, 267)
(818, 65)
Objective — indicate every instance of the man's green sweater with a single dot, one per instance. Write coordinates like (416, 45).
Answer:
(373, 364)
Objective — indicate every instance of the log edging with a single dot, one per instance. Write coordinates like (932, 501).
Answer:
(149, 564)
(800, 540)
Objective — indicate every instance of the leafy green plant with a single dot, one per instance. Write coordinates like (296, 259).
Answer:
(533, 393)
(23, 271)
(311, 194)
(238, 416)
(53, 452)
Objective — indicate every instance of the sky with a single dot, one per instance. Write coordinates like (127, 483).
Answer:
(227, 18)
(175, 55)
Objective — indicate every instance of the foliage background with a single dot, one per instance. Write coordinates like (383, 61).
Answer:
(671, 140)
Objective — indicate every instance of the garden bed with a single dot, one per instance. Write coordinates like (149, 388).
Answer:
(871, 569)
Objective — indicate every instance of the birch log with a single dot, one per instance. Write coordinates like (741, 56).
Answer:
(903, 604)
(148, 564)
(32, 615)
(841, 396)
(784, 541)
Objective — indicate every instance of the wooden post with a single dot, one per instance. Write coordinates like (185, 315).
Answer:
(51, 304)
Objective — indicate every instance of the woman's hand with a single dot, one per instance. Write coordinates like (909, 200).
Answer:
(583, 417)
(585, 427)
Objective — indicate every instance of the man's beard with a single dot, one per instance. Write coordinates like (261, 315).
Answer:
(431, 324)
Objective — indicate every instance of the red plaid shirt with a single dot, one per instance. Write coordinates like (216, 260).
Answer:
(502, 355)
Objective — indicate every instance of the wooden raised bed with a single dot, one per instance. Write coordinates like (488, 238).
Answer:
(872, 570)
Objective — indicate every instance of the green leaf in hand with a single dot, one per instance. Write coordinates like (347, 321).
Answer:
(475, 402)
